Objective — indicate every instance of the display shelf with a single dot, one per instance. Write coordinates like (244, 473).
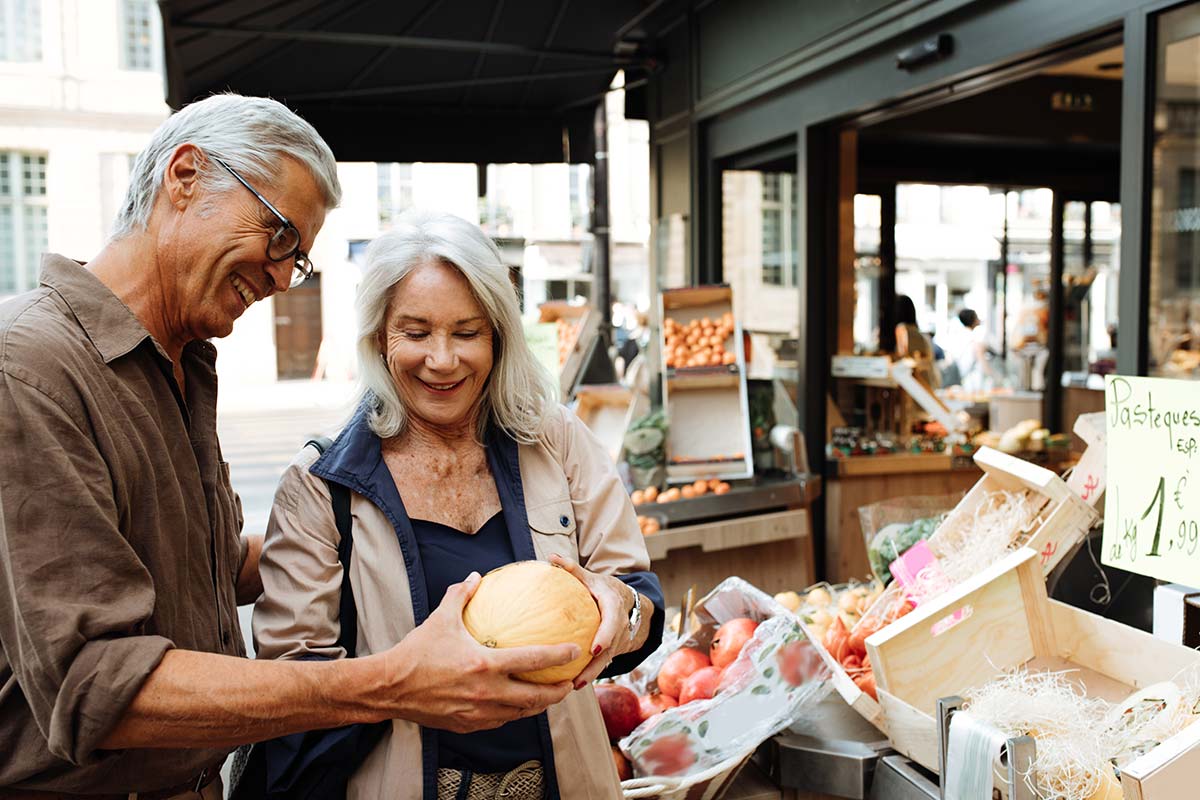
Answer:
(707, 407)
(765, 495)
(726, 534)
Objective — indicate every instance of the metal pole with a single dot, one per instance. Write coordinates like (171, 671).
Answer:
(1052, 415)
(600, 233)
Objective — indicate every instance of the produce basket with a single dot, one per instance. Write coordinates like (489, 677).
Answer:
(695, 749)
(1002, 620)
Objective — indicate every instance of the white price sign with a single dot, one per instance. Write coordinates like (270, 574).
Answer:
(1152, 504)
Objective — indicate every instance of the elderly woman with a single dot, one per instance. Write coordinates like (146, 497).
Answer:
(458, 461)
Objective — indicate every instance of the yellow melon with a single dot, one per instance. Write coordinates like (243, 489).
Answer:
(534, 603)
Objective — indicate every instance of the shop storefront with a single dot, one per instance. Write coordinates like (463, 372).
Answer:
(1031, 163)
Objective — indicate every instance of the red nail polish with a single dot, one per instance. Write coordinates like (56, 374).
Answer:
(596, 650)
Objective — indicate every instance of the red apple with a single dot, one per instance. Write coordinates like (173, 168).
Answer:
(619, 707)
(654, 704)
(677, 666)
(700, 685)
(668, 755)
(730, 639)
(624, 771)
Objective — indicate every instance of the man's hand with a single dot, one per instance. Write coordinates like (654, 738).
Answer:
(445, 679)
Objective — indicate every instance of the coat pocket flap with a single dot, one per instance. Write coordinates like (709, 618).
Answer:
(554, 517)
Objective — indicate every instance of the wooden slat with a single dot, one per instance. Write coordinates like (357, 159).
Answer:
(918, 667)
(894, 463)
(726, 534)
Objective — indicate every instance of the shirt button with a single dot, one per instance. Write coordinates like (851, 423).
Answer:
(225, 638)
(564, 520)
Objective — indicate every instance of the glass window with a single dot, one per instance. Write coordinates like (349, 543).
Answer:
(23, 219)
(759, 261)
(20, 30)
(139, 22)
(867, 271)
(1174, 308)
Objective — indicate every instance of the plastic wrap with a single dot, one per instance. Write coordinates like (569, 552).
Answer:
(775, 678)
(892, 526)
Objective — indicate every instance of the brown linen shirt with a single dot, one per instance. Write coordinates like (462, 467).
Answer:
(119, 533)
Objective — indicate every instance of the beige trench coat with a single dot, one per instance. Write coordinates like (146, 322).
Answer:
(567, 474)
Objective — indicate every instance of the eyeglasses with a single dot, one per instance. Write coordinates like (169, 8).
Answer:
(285, 242)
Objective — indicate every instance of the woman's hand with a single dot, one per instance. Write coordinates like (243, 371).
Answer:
(442, 678)
(616, 602)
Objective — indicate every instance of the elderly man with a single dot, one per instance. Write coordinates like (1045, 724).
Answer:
(122, 669)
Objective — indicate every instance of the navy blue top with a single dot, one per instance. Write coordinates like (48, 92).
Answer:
(448, 555)
(356, 461)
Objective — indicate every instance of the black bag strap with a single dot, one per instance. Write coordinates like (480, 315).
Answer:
(340, 497)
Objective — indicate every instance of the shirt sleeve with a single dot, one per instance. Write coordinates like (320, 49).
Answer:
(610, 541)
(74, 596)
(297, 614)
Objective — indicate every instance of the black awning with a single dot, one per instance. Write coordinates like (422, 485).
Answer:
(481, 81)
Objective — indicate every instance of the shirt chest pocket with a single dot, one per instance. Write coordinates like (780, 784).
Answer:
(552, 526)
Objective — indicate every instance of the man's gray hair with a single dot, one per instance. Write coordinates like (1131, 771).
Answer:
(519, 392)
(251, 134)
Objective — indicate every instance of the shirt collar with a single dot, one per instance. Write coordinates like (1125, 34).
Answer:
(112, 328)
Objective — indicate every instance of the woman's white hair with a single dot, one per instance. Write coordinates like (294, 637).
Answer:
(251, 134)
(519, 392)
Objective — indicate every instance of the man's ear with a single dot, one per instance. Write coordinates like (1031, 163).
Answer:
(181, 179)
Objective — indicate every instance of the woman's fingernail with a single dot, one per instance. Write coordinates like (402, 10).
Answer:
(596, 650)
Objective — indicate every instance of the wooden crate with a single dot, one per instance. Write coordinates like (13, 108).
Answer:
(586, 323)
(1007, 621)
(1064, 520)
(607, 410)
(1063, 523)
(708, 407)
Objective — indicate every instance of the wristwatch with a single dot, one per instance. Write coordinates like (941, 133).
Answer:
(635, 616)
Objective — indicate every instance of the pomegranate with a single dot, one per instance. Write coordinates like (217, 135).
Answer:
(534, 603)
(700, 685)
(620, 709)
(624, 770)
(729, 640)
(651, 705)
(677, 666)
(668, 755)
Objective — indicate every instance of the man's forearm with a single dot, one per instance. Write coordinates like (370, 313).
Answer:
(195, 700)
(249, 583)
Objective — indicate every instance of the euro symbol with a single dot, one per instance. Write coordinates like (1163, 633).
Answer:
(1179, 487)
